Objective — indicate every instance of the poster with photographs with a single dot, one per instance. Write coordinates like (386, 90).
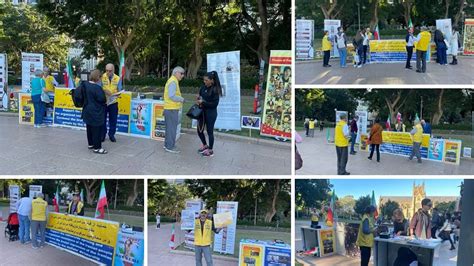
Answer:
(469, 37)
(251, 122)
(277, 108)
(29, 63)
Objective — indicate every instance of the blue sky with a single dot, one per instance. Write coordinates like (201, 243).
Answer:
(394, 187)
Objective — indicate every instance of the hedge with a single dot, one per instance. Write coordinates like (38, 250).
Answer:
(246, 83)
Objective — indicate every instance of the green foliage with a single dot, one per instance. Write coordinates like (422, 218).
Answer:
(245, 83)
(311, 193)
(167, 199)
(387, 209)
(361, 203)
(444, 207)
(24, 29)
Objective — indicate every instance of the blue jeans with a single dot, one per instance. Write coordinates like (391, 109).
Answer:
(206, 251)
(353, 140)
(342, 56)
(24, 228)
(40, 108)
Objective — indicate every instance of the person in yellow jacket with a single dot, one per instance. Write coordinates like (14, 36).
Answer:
(173, 103)
(315, 219)
(76, 207)
(203, 228)
(365, 237)
(111, 85)
(327, 46)
(49, 80)
(417, 137)
(39, 209)
(312, 124)
(423, 41)
(341, 139)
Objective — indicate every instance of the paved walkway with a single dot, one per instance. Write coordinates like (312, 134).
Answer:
(63, 151)
(14, 254)
(159, 251)
(312, 72)
(319, 158)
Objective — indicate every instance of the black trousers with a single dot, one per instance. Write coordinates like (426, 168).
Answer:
(112, 112)
(365, 48)
(207, 120)
(409, 55)
(327, 55)
(364, 256)
(342, 156)
(375, 147)
(94, 136)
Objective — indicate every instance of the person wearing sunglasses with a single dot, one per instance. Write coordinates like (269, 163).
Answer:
(173, 103)
(420, 225)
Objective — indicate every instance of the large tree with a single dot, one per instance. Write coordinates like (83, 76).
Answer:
(310, 193)
(388, 207)
(362, 203)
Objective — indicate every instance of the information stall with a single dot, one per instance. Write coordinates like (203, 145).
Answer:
(434, 149)
(324, 239)
(386, 251)
(264, 253)
(136, 117)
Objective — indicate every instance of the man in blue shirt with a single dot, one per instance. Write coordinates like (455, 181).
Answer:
(426, 127)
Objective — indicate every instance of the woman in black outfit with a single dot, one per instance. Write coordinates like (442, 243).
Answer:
(93, 112)
(208, 100)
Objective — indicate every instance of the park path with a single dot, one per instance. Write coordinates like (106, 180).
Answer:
(63, 151)
(313, 72)
(319, 158)
(14, 253)
(159, 252)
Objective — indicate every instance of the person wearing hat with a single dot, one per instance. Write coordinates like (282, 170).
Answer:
(417, 137)
(76, 207)
(203, 228)
(39, 208)
(365, 237)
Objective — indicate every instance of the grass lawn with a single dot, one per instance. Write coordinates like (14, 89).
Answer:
(254, 234)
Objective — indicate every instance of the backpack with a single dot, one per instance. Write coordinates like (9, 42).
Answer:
(78, 95)
(340, 41)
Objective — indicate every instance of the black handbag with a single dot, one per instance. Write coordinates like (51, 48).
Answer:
(194, 112)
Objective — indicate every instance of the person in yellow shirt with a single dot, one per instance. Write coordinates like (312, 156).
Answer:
(311, 127)
(417, 137)
(341, 140)
(365, 237)
(173, 103)
(423, 41)
(110, 85)
(76, 207)
(39, 209)
(203, 228)
(327, 46)
(49, 80)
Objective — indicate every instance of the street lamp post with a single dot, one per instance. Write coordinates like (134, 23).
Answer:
(169, 49)
(358, 13)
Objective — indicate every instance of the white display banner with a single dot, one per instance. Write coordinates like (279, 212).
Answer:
(14, 192)
(445, 26)
(338, 113)
(29, 63)
(224, 241)
(34, 190)
(3, 81)
(331, 25)
(187, 219)
(192, 206)
(304, 40)
(361, 124)
(227, 66)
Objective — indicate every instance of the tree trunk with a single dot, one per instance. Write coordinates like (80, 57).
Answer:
(195, 22)
(328, 10)
(439, 111)
(394, 105)
(447, 3)
(375, 14)
(457, 18)
(133, 196)
(89, 186)
(269, 215)
(265, 30)
(407, 11)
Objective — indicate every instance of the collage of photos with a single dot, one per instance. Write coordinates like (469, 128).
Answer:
(237, 133)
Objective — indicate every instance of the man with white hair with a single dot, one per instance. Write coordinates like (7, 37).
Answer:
(110, 85)
(39, 208)
(172, 105)
(49, 80)
(422, 45)
(417, 137)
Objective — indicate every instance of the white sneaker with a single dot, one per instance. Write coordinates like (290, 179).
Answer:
(359, 66)
(172, 151)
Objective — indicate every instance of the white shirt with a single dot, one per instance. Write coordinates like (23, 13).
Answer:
(411, 40)
(23, 206)
(345, 131)
(366, 40)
